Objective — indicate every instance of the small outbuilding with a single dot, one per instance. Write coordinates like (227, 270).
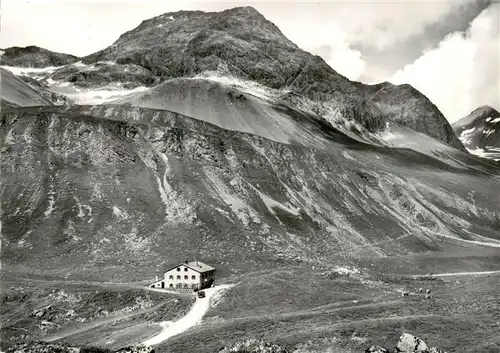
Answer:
(187, 275)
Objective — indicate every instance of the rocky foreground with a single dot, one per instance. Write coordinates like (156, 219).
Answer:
(44, 347)
(407, 344)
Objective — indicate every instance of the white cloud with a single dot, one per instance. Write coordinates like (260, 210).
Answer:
(346, 61)
(331, 43)
(330, 29)
(382, 24)
(462, 73)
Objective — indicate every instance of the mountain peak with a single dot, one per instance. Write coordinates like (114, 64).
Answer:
(252, 47)
(485, 110)
(243, 10)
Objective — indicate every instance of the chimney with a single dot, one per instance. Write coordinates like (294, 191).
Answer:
(186, 261)
(156, 278)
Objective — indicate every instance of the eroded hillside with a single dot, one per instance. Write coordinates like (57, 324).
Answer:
(97, 190)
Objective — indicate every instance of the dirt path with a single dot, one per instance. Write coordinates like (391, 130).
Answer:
(460, 274)
(103, 285)
(192, 318)
(493, 243)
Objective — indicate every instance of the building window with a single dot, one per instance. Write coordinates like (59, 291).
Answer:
(186, 277)
(185, 269)
(178, 268)
(171, 285)
(185, 285)
(171, 277)
(193, 277)
(178, 277)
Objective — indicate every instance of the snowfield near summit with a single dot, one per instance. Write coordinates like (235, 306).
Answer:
(103, 95)
(31, 71)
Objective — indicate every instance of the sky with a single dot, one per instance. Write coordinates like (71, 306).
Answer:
(447, 49)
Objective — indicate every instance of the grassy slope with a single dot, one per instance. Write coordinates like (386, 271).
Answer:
(349, 314)
(85, 314)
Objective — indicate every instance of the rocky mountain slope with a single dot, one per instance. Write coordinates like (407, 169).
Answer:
(33, 56)
(417, 112)
(480, 132)
(25, 91)
(241, 44)
(213, 128)
(112, 188)
(15, 92)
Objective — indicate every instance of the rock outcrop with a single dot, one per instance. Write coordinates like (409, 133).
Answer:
(411, 344)
(254, 346)
(407, 344)
(141, 348)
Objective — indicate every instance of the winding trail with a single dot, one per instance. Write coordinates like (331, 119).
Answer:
(460, 274)
(192, 318)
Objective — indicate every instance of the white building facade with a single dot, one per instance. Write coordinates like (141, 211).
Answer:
(187, 276)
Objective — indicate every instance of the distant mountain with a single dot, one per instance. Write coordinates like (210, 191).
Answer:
(33, 56)
(480, 132)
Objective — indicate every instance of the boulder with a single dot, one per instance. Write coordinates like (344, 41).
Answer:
(411, 344)
(141, 348)
(254, 346)
(376, 349)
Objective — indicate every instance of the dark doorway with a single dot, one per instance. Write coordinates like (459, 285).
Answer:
(162, 284)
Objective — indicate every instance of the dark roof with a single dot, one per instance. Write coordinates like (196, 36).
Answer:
(197, 266)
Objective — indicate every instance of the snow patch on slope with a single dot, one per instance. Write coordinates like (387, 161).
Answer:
(30, 71)
(465, 136)
(51, 199)
(94, 97)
